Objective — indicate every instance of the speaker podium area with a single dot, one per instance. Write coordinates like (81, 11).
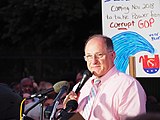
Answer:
(77, 116)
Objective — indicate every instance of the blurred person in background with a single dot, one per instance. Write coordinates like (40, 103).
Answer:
(15, 86)
(35, 113)
(79, 76)
(27, 95)
(26, 86)
(9, 103)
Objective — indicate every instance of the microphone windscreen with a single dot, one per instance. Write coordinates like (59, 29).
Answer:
(57, 86)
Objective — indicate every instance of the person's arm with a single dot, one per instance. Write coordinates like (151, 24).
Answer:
(133, 101)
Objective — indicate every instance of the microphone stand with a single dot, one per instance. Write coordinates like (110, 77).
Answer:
(41, 111)
(54, 109)
(40, 101)
(57, 101)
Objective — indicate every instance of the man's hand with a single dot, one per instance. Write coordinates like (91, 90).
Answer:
(71, 96)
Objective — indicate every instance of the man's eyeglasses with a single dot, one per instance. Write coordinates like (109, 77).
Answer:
(90, 57)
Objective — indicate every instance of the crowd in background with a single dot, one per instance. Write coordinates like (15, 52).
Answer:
(28, 86)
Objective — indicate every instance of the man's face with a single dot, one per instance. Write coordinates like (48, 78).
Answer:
(99, 59)
(27, 86)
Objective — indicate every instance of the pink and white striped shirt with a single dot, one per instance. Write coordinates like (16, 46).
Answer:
(119, 96)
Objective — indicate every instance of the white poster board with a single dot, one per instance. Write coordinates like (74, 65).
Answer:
(134, 26)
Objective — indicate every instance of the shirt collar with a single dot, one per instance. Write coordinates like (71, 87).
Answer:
(104, 77)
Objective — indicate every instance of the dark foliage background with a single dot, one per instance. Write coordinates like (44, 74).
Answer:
(45, 39)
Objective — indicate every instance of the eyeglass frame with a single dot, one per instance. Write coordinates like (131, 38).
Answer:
(97, 56)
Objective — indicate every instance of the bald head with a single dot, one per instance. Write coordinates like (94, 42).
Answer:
(99, 54)
(26, 85)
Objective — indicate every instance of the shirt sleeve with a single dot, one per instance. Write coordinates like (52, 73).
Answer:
(133, 101)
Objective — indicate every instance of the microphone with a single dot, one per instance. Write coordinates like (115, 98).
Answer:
(56, 88)
(63, 91)
(86, 75)
(71, 105)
